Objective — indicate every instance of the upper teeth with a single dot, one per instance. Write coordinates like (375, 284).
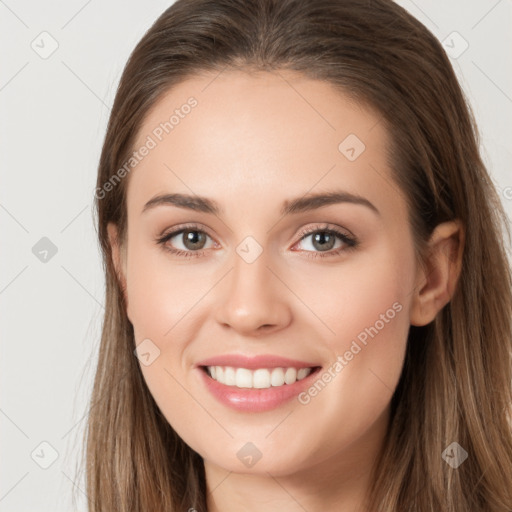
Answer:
(260, 378)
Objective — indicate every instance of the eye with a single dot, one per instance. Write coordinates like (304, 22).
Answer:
(191, 238)
(324, 239)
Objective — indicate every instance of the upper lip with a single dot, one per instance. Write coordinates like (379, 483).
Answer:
(255, 362)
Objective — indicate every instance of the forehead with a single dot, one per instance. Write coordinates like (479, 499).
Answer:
(272, 133)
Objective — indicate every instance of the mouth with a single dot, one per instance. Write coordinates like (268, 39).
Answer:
(256, 385)
(259, 378)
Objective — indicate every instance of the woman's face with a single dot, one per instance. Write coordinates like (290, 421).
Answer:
(262, 281)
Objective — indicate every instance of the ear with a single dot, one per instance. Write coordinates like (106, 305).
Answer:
(436, 283)
(118, 256)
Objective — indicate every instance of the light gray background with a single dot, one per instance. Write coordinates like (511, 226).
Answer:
(54, 113)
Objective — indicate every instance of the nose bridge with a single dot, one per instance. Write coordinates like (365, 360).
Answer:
(252, 298)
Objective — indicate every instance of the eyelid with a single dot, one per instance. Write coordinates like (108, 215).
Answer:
(304, 231)
(324, 227)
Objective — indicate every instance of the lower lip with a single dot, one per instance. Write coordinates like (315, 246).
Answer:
(252, 399)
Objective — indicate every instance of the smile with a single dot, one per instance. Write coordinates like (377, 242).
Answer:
(259, 379)
(256, 390)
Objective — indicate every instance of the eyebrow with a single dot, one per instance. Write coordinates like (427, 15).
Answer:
(298, 205)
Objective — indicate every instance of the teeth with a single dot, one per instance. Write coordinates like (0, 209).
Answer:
(229, 376)
(290, 375)
(277, 377)
(303, 372)
(243, 378)
(259, 379)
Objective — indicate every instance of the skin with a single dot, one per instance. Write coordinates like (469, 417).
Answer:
(253, 142)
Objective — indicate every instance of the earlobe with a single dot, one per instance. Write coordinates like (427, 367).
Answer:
(436, 282)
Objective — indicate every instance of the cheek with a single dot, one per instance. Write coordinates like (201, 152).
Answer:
(367, 350)
(163, 300)
(160, 294)
(365, 305)
(161, 304)
(365, 297)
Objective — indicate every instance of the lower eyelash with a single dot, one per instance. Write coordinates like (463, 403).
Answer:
(351, 243)
(186, 254)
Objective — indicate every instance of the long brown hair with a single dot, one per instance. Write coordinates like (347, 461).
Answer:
(456, 381)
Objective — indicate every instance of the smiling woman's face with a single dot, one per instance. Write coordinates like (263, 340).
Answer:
(248, 282)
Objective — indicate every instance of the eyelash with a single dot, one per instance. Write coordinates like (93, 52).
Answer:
(351, 242)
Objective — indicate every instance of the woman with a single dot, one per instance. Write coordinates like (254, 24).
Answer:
(308, 302)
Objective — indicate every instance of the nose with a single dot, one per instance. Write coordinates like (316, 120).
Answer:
(253, 301)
